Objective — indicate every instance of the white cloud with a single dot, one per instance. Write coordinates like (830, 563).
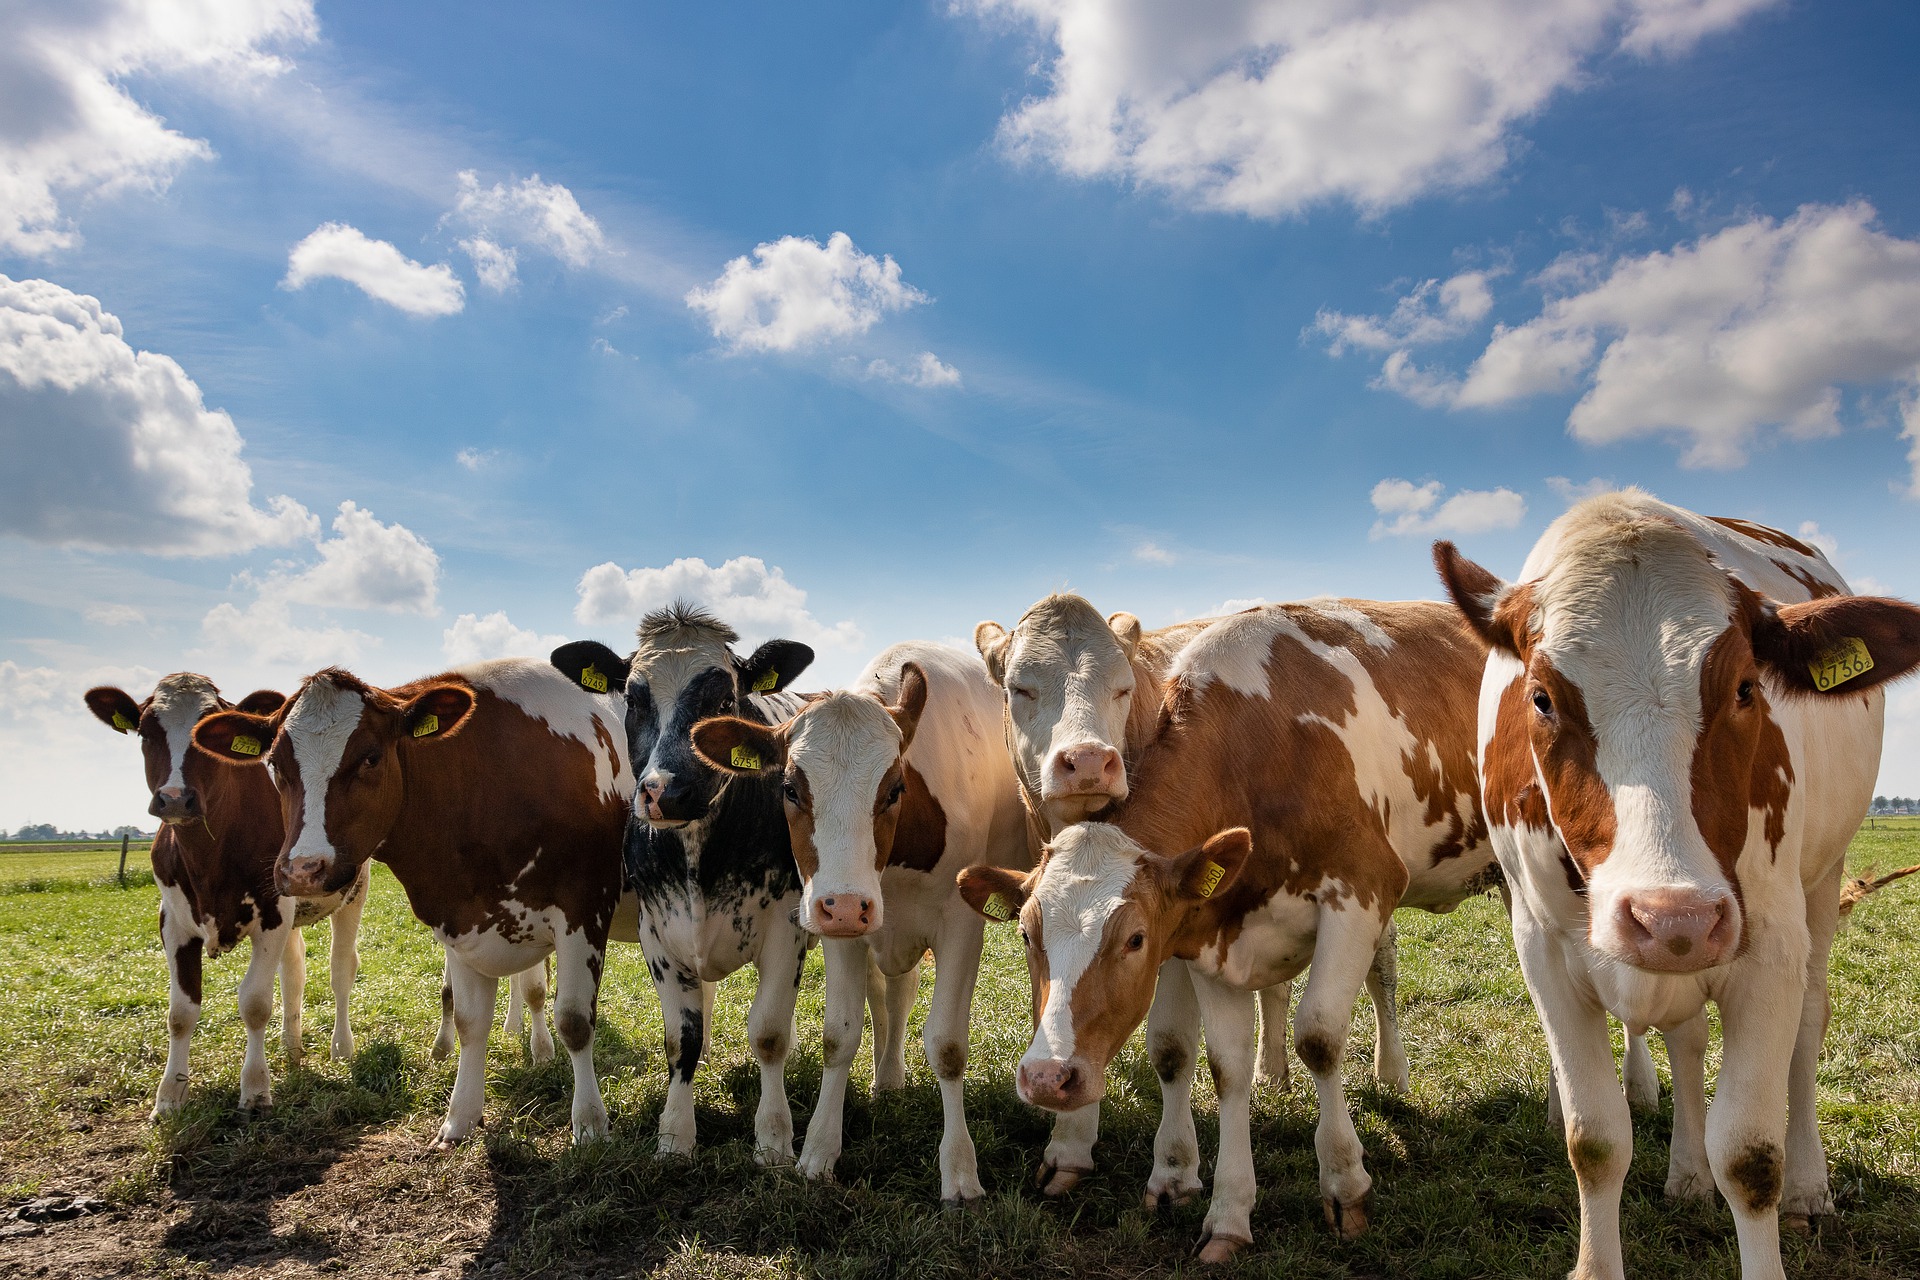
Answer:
(1910, 431)
(110, 447)
(62, 764)
(70, 131)
(1150, 552)
(472, 638)
(796, 293)
(1813, 536)
(925, 370)
(265, 633)
(497, 267)
(1416, 509)
(1266, 107)
(1434, 312)
(756, 600)
(379, 270)
(476, 459)
(114, 615)
(1570, 492)
(528, 212)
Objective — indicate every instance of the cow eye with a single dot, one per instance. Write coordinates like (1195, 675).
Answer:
(791, 792)
(370, 759)
(1744, 694)
(1019, 692)
(1542, 703)
(1137, 941)
(899, 789)
(1025, 941)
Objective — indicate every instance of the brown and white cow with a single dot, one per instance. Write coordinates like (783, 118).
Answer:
(213, 859)
(1311, 770)
(497, 794)
(891, 787)
(1680, 725)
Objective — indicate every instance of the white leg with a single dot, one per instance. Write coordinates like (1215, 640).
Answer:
(956, 970)
(890, 1053)
(1689, 1172)
(1383, 985)
(343, 965)
(578, 963)
(184, 950)
(1342, 954)
(473, 996)
(1273, 1057)
(256, 1011)
(293, 988)
(1642, 1081)
(1069, 1153)
(770, 1032)
(443, 1044)
(685, 1031)
(846, 963)
(529, 987)
(1807, 1193)
(877, 1011)
(1228, 1015)
(1556, 1109)
(1747, 1123)
(1173, 1046)
(517, 1003)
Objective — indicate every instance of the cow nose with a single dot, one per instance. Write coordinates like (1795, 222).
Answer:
(1091, 766)
(1052, 1083)
(176, 804)
(305, 875)
(1678, 930)
(844, 915)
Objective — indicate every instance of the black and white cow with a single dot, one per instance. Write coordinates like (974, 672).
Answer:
(707, 852)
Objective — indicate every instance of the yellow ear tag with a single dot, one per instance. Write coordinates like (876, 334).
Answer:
(998, 908)
(592, 679)
(766, 682)
(429, 725)
(1841, 663)
(121, 722)
(745, 758)
(1210, 877)
(242, 745)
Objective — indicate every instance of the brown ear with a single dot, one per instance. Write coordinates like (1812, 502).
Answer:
(991, 639)
(115, 708)
(437, 712)
(913, 701)
(262, 702)
(733, 745)
(1207, 872)
(1839, 645)
(995, 892)
(1126, 629)
(236, 737)
(1478, 595)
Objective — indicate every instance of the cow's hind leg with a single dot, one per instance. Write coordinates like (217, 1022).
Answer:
(184, 950)
(846, 962)
(528, 991)
(444, 1043)
(956, 969)
(1689, 1172)
(578, 961)
(474, 994)
(1641, 1079)
(1342, 954)
(293, 989)
(890, 1050)
(1807, 1195)
(1273, 1057)
(343, 963)
(770, 1032)
(1228, 1016)
(256, 1011)
(1383, 986)
(1173, 1046)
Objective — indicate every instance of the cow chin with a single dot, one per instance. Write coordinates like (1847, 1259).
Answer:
(311, 879)
(1081, 806)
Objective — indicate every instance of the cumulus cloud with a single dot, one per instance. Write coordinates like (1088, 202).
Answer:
(70, 131)
(1416, 509)
(1434, 311)
(62, 766)
(497, 267)
(527, 212)
(924, 370)
(756, 600)
(796, 293)
(1570, 492)
(473, 638)
(264, 631)
(378, 269)
(109, 447)
(1265, 107)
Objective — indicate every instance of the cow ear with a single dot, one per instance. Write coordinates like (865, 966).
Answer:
(1479, 596)
(262, 702)
(236, 737)
(436, 713)
(995, 892)
(1839, 645)
(733, 745)
(913, 701)
(1126, 629)
(591, 665)
(1207, 872)
(992, 640)
(115, 708)
(774, 665)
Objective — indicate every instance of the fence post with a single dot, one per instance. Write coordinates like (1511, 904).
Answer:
(123, 859)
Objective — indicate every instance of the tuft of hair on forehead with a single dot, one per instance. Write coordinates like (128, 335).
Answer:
(183, 689)
(1623, 549)
(323, 692)
(1063, 616)
(832, 719)
(680, 626)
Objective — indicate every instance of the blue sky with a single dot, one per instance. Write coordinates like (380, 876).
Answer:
(864, 322)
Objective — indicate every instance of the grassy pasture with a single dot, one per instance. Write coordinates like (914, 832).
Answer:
(336, 1179)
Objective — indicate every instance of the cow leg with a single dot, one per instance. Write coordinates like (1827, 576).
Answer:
(1173, 1046)
(1747, 1123)
(956, 970)
(1642, 1081)
(343, 964)
(890, 1052)
(877, 1010)
(184, 950)
(708, 990)
(256, 1011)
(528, 989)
(1342, 954)
(474, 994)
(1383, 983)
(516, 1019)
(1807, 1193)
(770, 1031)
(1069, 1153)
(579, 959)
(685, 1028)
(846, 962)
(293, 990)
(443, 1043)
(1271, 1060)
(1689, 1172)
(1228, 1014)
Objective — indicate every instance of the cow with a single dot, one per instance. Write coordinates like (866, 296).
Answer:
(213, 860)
(1310, 771)
(496, 793)
(1680, 723)
(526, 1011)
(707, 851)
(891, 788)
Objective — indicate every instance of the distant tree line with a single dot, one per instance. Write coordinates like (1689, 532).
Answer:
(1895, 804)
(44, 832)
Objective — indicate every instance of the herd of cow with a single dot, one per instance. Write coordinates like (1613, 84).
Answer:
(1656, 743)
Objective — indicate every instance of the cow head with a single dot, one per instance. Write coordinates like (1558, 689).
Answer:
(1638, 720)
(684, 671)
(1099, 916)
(339, 749)
(843, 771)
(180, 779)
(1069, 680)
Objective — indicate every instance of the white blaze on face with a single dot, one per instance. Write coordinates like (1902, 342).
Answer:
(844, 744)
(1068, 684)
(317, 727)
(1083, 882)
(179, 701)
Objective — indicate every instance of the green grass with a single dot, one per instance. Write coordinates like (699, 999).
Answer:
(64, 867)
(1469, 1181)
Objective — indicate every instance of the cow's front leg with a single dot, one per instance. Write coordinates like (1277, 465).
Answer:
(1808, 1195)
(185, 950)
(890, 1048)
(684, 1029)
(1069, 1153)
(1342, 954)
(1173, 1046)
(579, 958)
(1273, 1056)
(343, 962)
(528, 990)
(956, 969)
(783, 954)
(1383, 989)
(293, 987)
(1747, 1123)
(846, 963)
(1689, 1172)
(1228, 1015)
(474, 994)
(256, 1011)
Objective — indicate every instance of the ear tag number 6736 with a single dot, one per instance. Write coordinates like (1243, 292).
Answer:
(1841, 663)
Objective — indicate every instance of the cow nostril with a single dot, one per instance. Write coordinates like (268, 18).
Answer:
(1069, 1079)
(826, 902)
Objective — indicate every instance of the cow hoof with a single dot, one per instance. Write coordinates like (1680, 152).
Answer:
(1175, 1188)
(773, 1157)
(1394, 1080)
(296, 1054)
(1690, 1186)
(1057, 1180)
(257, 1103)
(1216, 1249)
(541, 1051)
(1349, 1221)
(1815, 1203)
(450, 1136)
(342, 1048)
(965, 1196)
(1798, 1224)
(672, 1146)
(817, 1168)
